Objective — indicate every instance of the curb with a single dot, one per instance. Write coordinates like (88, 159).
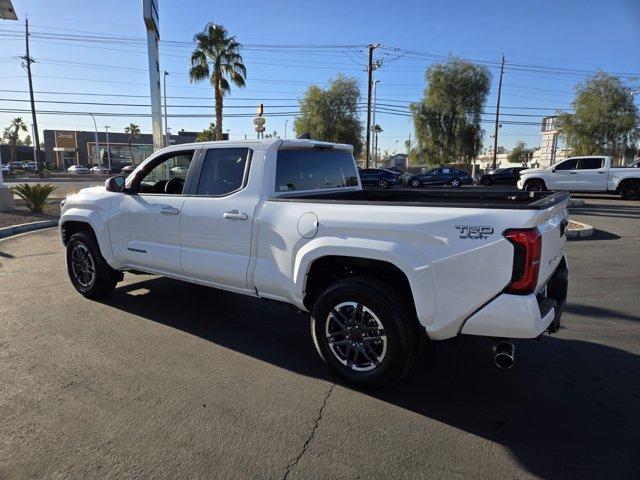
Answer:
(26, 227)
(583, 232)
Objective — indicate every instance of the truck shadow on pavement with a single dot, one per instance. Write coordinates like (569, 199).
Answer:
(569, 409)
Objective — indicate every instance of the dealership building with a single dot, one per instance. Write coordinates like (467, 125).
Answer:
(64, 148)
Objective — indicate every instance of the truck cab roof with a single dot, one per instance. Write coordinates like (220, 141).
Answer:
(295, 143)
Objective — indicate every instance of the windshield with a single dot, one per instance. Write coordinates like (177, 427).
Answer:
(314, 169)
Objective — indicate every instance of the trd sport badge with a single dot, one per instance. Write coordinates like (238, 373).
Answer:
(474, 232)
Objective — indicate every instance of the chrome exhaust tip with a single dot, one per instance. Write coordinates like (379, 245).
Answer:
(504, 354)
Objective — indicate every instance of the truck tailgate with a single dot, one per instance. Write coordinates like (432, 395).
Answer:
(552, 224)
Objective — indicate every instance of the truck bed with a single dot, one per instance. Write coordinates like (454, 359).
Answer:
(470, 197)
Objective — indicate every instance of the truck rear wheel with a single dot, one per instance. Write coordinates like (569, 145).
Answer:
(630, 190)
(365, 332)
(88, 270)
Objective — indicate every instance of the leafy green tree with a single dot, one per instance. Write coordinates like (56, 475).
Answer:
(217, 59)
(520, 153)
(331, 114)
(133, 132)
(447, 119)
(208, 134)
(606, 120)
(11, 135)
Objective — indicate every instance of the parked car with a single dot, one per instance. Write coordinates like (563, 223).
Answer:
(78, 169)
(502, 176)
(380, 178)
(6, 168)
(17, 165)
(98, 169)
(128, 169)
(584, 174)
(441, 176)
(288, 220)
(31, 166)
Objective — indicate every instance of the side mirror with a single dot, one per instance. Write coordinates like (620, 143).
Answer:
(114, 184)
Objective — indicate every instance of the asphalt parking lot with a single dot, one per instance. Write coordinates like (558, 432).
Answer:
(170, 380)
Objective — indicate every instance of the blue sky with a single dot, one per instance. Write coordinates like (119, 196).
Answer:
(579, 35)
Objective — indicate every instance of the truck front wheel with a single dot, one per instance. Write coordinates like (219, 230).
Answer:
(365, 332)
(88, 270)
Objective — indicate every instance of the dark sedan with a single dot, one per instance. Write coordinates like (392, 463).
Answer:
(502, 176)
(380, 178)
(441, 176)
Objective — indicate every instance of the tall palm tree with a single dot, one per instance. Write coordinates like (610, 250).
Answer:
(376, 130)
(217, 58)
(133, 131)
(16, 126)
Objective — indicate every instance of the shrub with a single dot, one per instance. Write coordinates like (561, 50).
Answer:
(35, 196)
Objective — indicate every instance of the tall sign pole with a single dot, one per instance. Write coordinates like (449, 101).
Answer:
(6, 197)
(151, 22)
(495, 134)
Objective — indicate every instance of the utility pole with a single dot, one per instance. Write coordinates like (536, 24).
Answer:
(495, 133)
(370, 68)
(373, 124)
(106, 128)
(28, 60)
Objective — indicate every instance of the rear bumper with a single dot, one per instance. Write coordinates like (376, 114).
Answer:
(523, 316)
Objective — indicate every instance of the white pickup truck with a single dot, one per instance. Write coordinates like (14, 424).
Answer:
(288, 220)
(584, 174)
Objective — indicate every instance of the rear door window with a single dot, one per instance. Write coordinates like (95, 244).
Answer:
(308, 169)
(224, 170)
(591, 163)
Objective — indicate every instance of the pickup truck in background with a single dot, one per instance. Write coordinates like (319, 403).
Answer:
(584, 174)
(288, 220)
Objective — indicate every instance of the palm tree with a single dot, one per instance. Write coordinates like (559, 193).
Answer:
(217, 58)
(133, 131)
(12, 134)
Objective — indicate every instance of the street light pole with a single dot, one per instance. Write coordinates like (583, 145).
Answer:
(106, 127)
(95, 153)
(285, 128)
(166, 125)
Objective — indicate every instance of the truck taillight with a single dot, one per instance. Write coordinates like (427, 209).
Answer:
(527, 247)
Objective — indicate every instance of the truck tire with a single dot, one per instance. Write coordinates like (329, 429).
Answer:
(534, 186)
(365, 332)
(88, 270)
(630, 190)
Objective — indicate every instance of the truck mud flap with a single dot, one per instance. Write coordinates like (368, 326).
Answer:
(556, 297)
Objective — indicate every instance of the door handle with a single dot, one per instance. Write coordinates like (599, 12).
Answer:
(602, 173)
(167, 210)
(573, 173)
(235, 215)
